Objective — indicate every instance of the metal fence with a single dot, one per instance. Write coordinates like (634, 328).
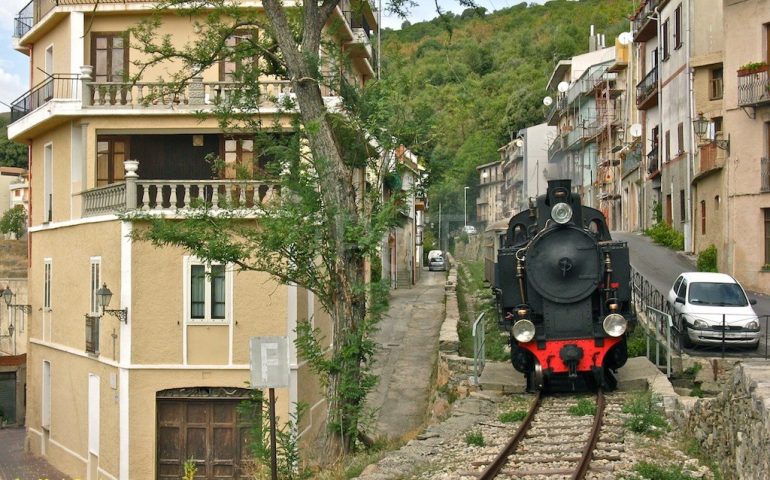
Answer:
(479, 347)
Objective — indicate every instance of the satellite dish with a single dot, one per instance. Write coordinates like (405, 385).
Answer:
(562, 87)
(636, 130)
(519, 142)
(625, 38)
(547, 101)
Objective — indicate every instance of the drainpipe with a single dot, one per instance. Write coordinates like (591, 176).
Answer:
(661, 136)
(689, 230)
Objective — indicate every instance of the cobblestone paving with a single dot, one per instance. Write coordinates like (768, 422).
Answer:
(15, 463)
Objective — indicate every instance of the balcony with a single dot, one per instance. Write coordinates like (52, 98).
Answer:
(58, 86)
(175, 195)
(645, 22)
(73, 94)
(754, 89)
(647, 90)
(653, 163)
(710, 159)
(556, 147)
(36, 10)
(556, 110)
(632, 161)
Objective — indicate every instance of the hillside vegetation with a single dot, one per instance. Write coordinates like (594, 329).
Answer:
(458, 93)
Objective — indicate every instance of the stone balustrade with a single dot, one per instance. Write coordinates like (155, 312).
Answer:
(174, 195)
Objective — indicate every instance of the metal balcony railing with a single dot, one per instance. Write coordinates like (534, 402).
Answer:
(653, 161)
(754, 89)
(63, 86)
(35, 10)
(647, 87)
(357, 21)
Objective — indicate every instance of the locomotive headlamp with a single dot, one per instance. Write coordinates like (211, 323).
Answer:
(523, 331)
(522, 312)
(561, 213)
(613, 306)
(615, 325)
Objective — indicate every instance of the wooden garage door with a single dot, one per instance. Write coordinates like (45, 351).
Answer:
(207, 431)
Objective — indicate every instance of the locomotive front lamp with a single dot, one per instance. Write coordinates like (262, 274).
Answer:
(522, 312)
(561, 213)
(523, 331)
(615, 325)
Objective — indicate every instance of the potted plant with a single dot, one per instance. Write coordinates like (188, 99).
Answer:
(751, 68)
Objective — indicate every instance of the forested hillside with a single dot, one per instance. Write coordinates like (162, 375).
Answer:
(461, 85)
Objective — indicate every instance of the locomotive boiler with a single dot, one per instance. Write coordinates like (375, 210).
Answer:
(563, 293)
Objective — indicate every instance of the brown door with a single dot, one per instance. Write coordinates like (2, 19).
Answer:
(207, 431)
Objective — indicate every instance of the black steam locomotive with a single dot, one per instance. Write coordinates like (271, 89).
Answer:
(564, 293)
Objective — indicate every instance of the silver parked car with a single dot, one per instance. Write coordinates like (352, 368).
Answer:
(437, 264)
(710, 307)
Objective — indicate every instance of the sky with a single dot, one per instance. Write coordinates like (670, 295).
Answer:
(14, 68)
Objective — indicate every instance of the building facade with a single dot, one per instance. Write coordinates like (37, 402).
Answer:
(136, 391)
(746, 103)
(489, 204)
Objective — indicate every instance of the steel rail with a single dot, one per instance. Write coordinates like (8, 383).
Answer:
(502, 458)
(588, 450)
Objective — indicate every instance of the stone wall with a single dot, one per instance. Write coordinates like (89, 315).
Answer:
(734, 427)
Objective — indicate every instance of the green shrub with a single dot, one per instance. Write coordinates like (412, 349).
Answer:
(512, 416)
(646, 416)
(475, 438)
(707, 260)
(637, 343)
(663, 234)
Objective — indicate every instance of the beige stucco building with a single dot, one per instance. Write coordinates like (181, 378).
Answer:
(746, 104)
(133, 393)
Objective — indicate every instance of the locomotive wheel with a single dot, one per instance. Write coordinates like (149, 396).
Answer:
(535, 379)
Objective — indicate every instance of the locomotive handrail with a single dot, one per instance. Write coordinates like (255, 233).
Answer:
(479, 347)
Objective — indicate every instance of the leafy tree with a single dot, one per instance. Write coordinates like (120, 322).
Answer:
(11, 154)
(14, 221)
(326, 225)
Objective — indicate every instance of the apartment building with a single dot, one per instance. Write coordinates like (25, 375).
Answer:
(133, 390)
(525, 165)
(746, 103)
(489, 204)
(587, 112)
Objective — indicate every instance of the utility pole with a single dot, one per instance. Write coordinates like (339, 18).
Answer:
(440, 246)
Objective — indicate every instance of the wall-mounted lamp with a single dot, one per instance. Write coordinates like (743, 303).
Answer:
(701, 125)
(104, 295)
(10, 297)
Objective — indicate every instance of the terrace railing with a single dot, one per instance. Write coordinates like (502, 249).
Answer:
(647, 86)
(157, 195)
(61, 86)
(35, 10)
(754, 89)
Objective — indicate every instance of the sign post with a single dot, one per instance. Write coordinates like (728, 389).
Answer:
(270, 369)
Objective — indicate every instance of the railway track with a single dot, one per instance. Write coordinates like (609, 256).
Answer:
(553, 444)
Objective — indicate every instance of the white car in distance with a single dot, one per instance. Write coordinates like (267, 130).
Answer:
(711, 308)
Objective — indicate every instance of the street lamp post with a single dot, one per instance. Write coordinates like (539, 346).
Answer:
(465, 205)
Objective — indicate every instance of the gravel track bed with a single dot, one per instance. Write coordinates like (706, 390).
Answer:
(442, 452)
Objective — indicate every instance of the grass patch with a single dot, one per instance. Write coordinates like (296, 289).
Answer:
(652, 471)
(693, 370)
(474, 438)
(647, 417)
(584, 408)
(470, 285)
(693, 449)
(512, 416)
(448, 392)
